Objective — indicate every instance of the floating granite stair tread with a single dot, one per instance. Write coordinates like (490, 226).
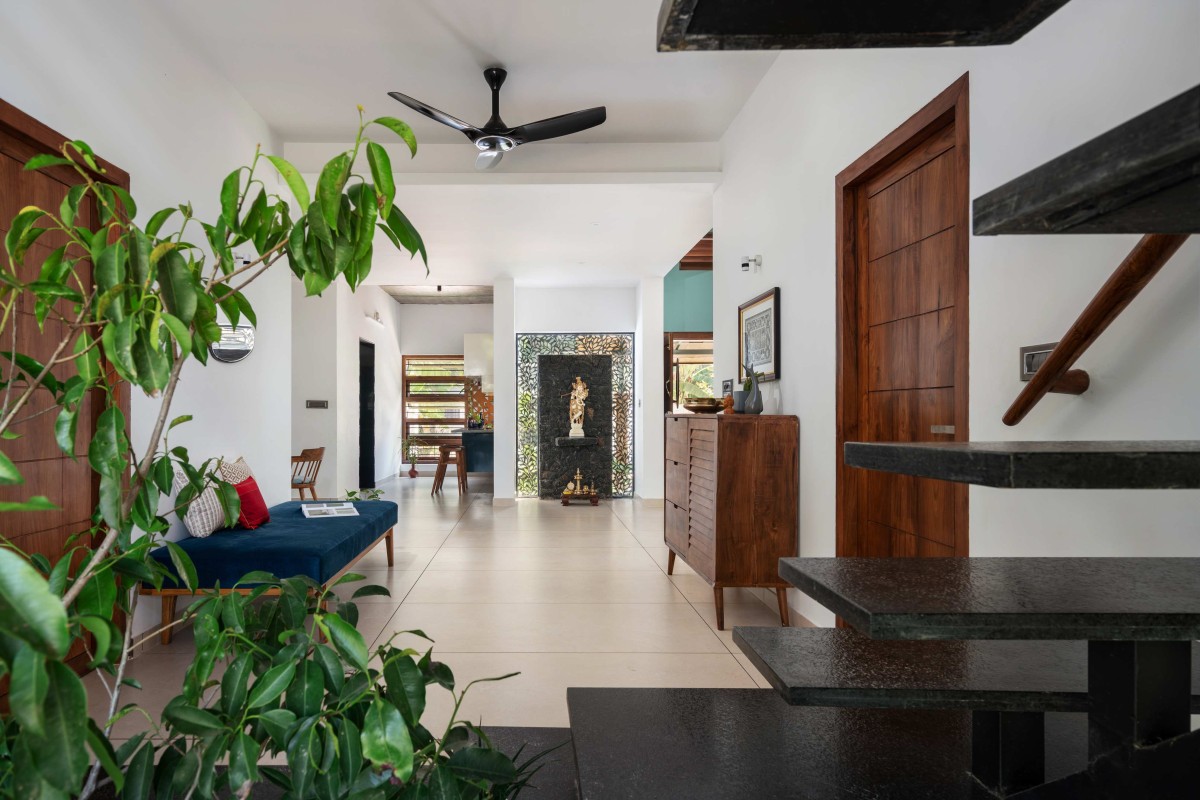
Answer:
(576, 441)
(1118, 599)
(840, 667)
(1038, 465)
(772, 25)
(748, 744)
(1141, 177)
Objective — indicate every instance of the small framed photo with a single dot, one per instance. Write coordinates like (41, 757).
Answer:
(758, 336)
(726, 387)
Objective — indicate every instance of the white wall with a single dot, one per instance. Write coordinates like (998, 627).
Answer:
(505, 356)
(1089, 67)
(439, 329)
(170, 120)
(314, 377)
(576, 310)
(648, 447)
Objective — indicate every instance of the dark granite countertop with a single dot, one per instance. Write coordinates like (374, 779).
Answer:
(839, 667)
(475, 431)
(1007, 598)
(1038, 465)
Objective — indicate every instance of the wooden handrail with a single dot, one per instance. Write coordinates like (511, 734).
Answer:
(1142, 264)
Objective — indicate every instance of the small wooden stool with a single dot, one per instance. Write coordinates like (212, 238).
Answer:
(448, 453)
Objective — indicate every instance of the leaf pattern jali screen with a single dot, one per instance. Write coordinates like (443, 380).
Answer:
(532, 345)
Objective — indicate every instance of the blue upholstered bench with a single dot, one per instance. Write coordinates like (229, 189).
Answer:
(288, 545)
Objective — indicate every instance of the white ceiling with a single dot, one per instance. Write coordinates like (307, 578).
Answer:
(546, 235)
(603, 207)
(305, 64)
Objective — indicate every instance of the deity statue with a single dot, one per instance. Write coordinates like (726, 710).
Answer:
(579, 393)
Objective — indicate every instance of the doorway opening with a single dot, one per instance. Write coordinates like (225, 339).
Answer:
(689, 365)
(903, 230)
(366, 415)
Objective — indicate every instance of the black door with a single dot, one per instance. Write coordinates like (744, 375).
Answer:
(366, 415)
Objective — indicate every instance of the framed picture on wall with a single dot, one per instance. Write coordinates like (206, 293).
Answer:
(758, 336)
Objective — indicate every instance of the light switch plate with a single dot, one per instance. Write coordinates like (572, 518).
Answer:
(1033, 356)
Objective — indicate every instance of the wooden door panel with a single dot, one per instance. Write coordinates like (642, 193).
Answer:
(677, 440)
(914, 207)
(912, 353)
(912, 280)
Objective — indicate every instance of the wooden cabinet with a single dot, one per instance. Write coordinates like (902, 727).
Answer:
(731, 499)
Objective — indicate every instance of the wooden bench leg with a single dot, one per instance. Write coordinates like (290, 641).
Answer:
(390, 552)
(781, 596)
(670, 560)
(719, 601)
(168, 616)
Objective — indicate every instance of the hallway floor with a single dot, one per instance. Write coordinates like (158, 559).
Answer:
(574, 596)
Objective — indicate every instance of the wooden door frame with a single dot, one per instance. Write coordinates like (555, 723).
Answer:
(951, 106)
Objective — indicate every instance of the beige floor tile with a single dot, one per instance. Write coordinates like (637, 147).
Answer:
(467, 537)
(422, 537)
(161, 676)
(697, 590)
(543, 558)
(560, 628)
(659, 554)
(406, 558)
(538, 695)
(757, 676)
(548, 524)
(549, 586)
(753, 613)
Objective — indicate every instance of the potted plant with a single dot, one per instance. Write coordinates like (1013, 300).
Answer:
(299, 681)
(409, 446)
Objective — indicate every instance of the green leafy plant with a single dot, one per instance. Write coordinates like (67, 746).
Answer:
(364, 494)
(299, 679)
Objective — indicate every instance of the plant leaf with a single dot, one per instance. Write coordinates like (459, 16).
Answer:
(348, 641)
(178, 286)
(386, 741)
(45, 160)
(190, 720)
(107, 448)
(482, 764)
(230, 189)
(381, 173)
(59, 753)
(9, 474)
(184, 567)
(405, 688)
(27, 691)
(98, 595)
(270, 685)
(306, 690)
(329, 188)
(156, 222)
(294, 180)
(401, 129)
(28, 609)
(407, 234)
(103, 749)
(234, 684)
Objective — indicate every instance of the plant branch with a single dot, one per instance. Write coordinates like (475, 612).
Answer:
(114, 695)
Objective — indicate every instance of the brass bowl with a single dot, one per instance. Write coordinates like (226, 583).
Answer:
(703, 405)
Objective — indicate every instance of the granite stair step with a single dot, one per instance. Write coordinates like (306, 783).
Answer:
(1038, 465)
(1140, 177)
(1116, 599)
(730, 744)
(840, 667)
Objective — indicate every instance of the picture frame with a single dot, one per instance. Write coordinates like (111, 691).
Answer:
(758, 336)
(726, 387)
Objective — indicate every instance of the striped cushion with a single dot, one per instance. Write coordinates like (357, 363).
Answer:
(204, 515)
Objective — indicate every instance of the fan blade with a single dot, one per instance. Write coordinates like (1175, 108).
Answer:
(438, 116)
(557, 126)
(488, 159)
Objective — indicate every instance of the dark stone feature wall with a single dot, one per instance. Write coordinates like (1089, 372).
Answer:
(557, 465)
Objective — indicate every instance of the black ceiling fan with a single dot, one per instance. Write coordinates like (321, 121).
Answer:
(495, 138)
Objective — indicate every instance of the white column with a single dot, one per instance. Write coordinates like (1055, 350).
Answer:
(648, 390)
(504, 334)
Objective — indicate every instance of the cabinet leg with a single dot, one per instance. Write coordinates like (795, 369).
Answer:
(670, 562)
(781, 596)
(719, 601)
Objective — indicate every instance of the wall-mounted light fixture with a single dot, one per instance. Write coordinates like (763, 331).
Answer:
(374, 317)
(751, 261)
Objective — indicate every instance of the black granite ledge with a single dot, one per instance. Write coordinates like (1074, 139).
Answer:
(1038, 465)
(1135, 599)
(839, 667)
(1141, 177)
(735, 744)
(576, 441)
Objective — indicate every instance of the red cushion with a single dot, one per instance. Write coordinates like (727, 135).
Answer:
(254, 508)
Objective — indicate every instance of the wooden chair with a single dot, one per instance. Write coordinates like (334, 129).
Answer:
(451, 454)
(305, 468)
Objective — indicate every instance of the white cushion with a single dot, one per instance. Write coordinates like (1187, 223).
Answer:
(235, 472)
(205, 514)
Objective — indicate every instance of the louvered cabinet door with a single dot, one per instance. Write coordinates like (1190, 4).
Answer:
(702, 496)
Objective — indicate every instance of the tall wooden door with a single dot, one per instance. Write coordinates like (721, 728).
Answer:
(67, 482)
(903, 329)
